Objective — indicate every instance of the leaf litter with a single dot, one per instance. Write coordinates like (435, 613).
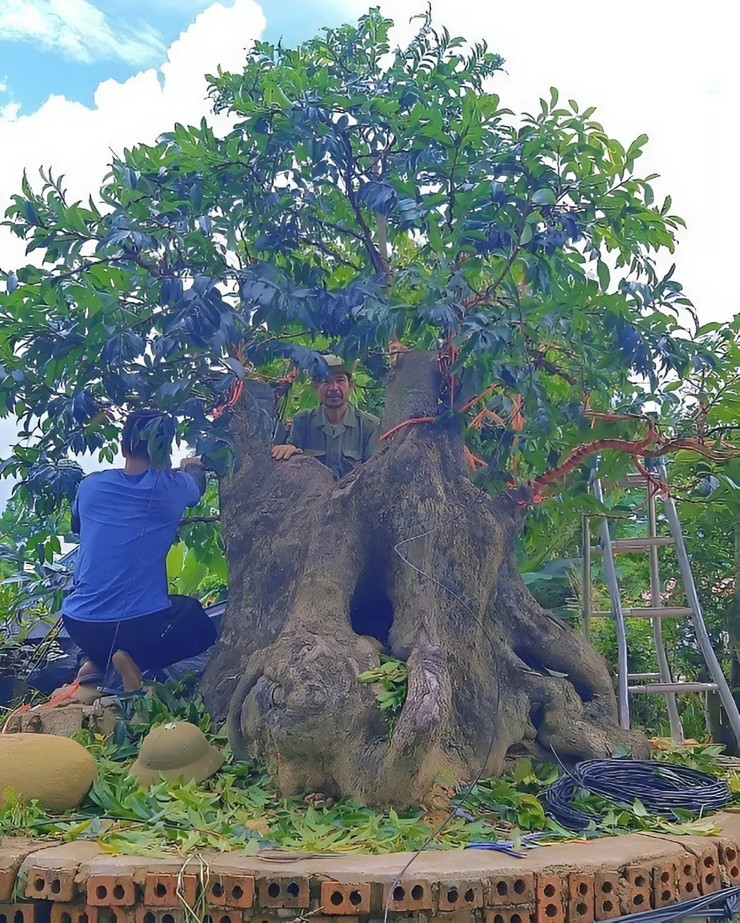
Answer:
(239, 808)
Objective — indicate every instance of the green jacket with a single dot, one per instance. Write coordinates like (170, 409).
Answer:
(341, 446)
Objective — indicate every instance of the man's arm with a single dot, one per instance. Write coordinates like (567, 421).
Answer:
(194, 467)
(295, 443)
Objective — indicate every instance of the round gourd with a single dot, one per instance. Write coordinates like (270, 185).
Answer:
(56, 771)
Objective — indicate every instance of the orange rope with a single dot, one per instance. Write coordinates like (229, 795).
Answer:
(480, 397)
(237, 388)
(655, 487)
(65, 693)
(517, 421)
(472, 460)
(235, 392)
(408, 422)
(484, 415)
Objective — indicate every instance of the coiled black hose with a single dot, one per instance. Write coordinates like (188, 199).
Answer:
(663, 789)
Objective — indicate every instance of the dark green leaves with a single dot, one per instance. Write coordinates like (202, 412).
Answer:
(544, 197)
(359, 193)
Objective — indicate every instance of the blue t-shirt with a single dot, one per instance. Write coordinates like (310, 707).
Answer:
(127, 525)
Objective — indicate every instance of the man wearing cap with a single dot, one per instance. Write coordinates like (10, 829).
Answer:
(335, 433)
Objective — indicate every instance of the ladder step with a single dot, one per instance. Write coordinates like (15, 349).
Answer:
(643, 676)
(674, 687)
(632, 480)
(635, 545)
(651, 612)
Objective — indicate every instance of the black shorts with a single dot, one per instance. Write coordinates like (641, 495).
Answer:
(153, 641)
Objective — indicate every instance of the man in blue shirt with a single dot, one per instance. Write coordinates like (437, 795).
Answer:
(119, 612)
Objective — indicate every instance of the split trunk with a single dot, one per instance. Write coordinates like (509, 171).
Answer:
(403, 554)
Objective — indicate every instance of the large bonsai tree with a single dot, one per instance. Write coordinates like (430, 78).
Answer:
(495, 271)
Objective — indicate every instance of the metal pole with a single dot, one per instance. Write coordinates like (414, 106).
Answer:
(656, 600)
(613, 585)
(586, 577)
(692, 597)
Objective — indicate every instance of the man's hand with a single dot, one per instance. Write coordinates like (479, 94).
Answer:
(191, 461)
(281, 452)
(193, 467)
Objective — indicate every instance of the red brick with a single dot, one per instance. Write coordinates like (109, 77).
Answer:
(51, 884)
(549, 899)
(458, 916)
(7, 880)
(233, 891)
(511, 890)
(581, 898)
(708, 866)
(17, 913)
(637, 895)
(344, 899)
(68, 913)
(319, 918)
(109, 914)
(687, 878)
(664, 884)
(606, 897)
(169, 889)
(223, 915)
(283, 892)
(412, 894)
(159, 915)
(111, 891)
(459, 895)
(729, 856)
(510, 915)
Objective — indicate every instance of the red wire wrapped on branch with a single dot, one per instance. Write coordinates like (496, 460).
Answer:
(237, 387)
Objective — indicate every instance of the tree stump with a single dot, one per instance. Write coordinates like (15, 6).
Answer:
(403, 553)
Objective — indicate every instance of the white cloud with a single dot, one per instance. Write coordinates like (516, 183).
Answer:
(9, 111)
(9, 108)
(77, 141)
(79, 30)
(662, 67)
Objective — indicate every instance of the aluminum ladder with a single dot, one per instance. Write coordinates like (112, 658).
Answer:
(661, 682)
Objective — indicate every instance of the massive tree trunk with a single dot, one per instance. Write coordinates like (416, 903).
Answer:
(407, 549)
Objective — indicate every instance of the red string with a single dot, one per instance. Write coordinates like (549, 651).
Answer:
(65, 693)
(655, 487)
(235, 392)
(409, 422)
(473, 460)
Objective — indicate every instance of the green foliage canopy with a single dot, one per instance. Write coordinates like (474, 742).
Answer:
(359, 193)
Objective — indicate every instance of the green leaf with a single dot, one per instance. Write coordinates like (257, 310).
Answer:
(544, 197)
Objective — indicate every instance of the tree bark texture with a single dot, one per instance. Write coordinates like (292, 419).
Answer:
(405, 548)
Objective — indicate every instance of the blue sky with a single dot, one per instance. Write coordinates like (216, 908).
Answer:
(36, 61)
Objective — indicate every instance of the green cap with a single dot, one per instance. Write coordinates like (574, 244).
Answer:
(337, 364)
(173, 751)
